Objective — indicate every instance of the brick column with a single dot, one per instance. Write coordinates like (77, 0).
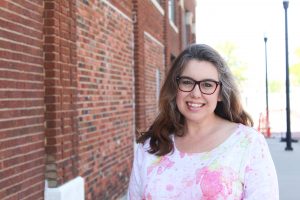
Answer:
(60, 91)
(139, 65)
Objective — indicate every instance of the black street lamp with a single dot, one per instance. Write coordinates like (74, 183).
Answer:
(288, 122)
(267, 98)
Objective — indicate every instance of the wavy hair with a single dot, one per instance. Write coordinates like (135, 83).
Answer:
(171, 121)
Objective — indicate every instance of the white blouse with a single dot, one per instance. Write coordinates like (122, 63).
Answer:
(240, 168)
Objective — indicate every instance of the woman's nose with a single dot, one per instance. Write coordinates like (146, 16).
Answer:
(196, 92)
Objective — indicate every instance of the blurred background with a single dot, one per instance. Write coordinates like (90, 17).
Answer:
(237, 28)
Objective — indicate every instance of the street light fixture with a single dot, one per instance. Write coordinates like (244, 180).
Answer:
(288, 122)
(267, 98)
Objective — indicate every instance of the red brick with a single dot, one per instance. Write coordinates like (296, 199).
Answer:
(17, 18)
(15, 65)
(22, 129)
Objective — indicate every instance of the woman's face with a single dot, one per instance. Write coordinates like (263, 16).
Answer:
(194, 105)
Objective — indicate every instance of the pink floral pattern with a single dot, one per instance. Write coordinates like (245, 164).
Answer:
(210, 183)
(161, 164)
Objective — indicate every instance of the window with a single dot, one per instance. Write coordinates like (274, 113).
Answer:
(172, 10)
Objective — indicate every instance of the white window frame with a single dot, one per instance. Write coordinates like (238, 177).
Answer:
(158, 6)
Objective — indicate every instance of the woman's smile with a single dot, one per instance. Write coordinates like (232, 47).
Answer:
(193, 106)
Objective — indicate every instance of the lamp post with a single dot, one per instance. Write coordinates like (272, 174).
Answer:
(288, 122)
(267, 98)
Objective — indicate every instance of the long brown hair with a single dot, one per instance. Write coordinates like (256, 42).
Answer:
(171, 121)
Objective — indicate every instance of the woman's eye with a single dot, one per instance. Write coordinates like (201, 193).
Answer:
(207, 84)
(187, 82)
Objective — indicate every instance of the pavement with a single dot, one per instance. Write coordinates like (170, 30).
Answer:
(287, 164)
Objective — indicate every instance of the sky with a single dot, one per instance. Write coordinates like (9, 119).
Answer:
(245, 23)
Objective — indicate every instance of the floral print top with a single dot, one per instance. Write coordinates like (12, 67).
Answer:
(240, 168)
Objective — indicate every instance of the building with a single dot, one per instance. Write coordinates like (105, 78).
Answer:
(77, 79)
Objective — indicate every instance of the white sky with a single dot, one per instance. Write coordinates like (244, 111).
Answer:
(244, 22)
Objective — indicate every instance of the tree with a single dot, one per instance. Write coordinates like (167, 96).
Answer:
(276, 86)
(295, 70)
(228, 51)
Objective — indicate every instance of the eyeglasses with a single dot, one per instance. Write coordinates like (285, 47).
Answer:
(187, 84)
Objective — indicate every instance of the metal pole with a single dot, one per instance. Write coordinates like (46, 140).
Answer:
(267, 91)
(288, 122)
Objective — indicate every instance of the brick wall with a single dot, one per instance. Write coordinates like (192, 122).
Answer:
(22, 156)
(105, 98)
(124, 6)
(147, 19)
(175, 34)
(153, 20)
(154, 75)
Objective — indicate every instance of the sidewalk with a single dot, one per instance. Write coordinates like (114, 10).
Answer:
(287, 165)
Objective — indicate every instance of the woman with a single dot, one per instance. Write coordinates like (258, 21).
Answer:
(201, 145)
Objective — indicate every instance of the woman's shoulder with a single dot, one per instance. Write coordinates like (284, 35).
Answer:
(250, 133)
(142, 153)
(249, 130)
(144, 146)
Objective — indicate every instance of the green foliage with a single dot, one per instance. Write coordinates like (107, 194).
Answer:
(295, 70)
(276, 86)
(228, 51)
(295, 74)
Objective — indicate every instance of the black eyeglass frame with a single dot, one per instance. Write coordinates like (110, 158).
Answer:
(198, 83)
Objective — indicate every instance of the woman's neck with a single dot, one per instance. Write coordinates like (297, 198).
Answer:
(202, 128)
